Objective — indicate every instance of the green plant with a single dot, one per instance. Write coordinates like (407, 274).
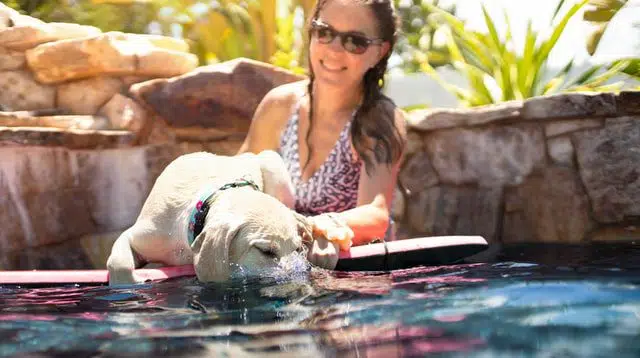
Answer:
(127, 16)
(600, 13)
(416, 41)
(288, 55)
(497, 72)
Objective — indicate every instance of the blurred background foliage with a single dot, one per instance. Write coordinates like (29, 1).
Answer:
(431, 36)
(496, 70)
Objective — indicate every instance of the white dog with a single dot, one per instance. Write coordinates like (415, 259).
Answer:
(215, 212)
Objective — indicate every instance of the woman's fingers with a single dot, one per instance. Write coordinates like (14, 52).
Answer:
(342, 236)
(333, 230)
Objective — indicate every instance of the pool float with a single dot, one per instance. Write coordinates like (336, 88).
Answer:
(423, 251)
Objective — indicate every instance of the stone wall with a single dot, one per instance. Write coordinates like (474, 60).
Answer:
(558, 169)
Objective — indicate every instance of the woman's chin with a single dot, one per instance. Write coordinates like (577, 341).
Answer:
(337, 79)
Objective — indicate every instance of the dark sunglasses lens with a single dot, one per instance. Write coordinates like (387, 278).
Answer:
(324, 34)
(355, 44)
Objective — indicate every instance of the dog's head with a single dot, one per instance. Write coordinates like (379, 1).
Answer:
(248, 231)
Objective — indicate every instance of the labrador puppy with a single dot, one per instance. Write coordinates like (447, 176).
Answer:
(217, 213)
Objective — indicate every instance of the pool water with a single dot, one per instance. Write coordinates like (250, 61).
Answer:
(529, 301)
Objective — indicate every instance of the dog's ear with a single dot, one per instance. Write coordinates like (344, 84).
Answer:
(275, 178)
(212, 246)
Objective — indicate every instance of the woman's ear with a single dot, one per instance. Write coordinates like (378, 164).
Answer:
(384, 50)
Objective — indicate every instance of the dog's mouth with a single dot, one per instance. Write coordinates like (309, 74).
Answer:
(294, 264)
(295, 261)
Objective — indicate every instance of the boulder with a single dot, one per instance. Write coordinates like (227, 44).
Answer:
(125, 113)
(571, 105)
(25, 119)
(609, 165)
(417, 174)
(63, 137)
(441, 118)
(12, 18)
(27, 32)
(500, 155)
(561, 127)
(11, 60)
(87, 96)
(57, 194)
(213, 101)
(448, 210)
(112, 53)
(629, 102)
(19, 91)
(561, 151)
(533, 209)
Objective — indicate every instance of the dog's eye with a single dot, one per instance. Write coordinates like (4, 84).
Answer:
(267, 248)
(268, 253)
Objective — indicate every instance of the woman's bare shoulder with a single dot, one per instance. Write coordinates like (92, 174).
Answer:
(284, 96)
(270, 117)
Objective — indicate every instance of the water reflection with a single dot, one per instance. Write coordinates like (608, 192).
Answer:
(509, 308)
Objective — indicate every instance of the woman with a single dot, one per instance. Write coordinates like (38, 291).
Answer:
(341, 138)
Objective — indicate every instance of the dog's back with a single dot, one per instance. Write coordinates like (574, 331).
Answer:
(182, 181)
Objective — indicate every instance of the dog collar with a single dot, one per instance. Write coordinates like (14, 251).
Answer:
(199, 212)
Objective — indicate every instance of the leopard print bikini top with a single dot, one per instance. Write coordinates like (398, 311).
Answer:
(334, 186)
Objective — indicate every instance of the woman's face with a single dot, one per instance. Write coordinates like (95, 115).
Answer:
(332, 64)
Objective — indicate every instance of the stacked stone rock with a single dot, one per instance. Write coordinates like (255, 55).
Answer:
(74, 77)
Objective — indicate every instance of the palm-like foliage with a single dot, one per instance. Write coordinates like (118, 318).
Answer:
(416, 41)
(600, 13)
(497, 72)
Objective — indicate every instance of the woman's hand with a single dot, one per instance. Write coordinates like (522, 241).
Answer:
(324, 235)
(323, 253)
(330, 227)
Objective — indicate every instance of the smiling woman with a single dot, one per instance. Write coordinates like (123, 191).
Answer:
(341, 138)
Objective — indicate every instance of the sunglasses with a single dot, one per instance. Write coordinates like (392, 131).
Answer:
(352, 42)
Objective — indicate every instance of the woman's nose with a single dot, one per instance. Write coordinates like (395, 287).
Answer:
(336, 44)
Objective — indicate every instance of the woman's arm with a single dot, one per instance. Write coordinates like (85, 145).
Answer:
(370, 218)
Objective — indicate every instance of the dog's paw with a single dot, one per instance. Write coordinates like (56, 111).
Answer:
(124, 277)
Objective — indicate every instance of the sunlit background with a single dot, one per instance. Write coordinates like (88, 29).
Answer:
(597, 33)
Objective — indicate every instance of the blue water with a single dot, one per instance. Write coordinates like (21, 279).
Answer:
(538, 301)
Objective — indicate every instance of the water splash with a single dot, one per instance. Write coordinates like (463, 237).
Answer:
(295, 263)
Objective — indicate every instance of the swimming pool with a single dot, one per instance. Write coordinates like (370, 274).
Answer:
(530, 301)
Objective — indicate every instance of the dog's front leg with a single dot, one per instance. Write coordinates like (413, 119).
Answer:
(123, 261)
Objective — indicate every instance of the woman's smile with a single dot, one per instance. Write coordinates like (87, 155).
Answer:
(332, 67)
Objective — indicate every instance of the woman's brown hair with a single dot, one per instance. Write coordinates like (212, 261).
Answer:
(373, 130)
